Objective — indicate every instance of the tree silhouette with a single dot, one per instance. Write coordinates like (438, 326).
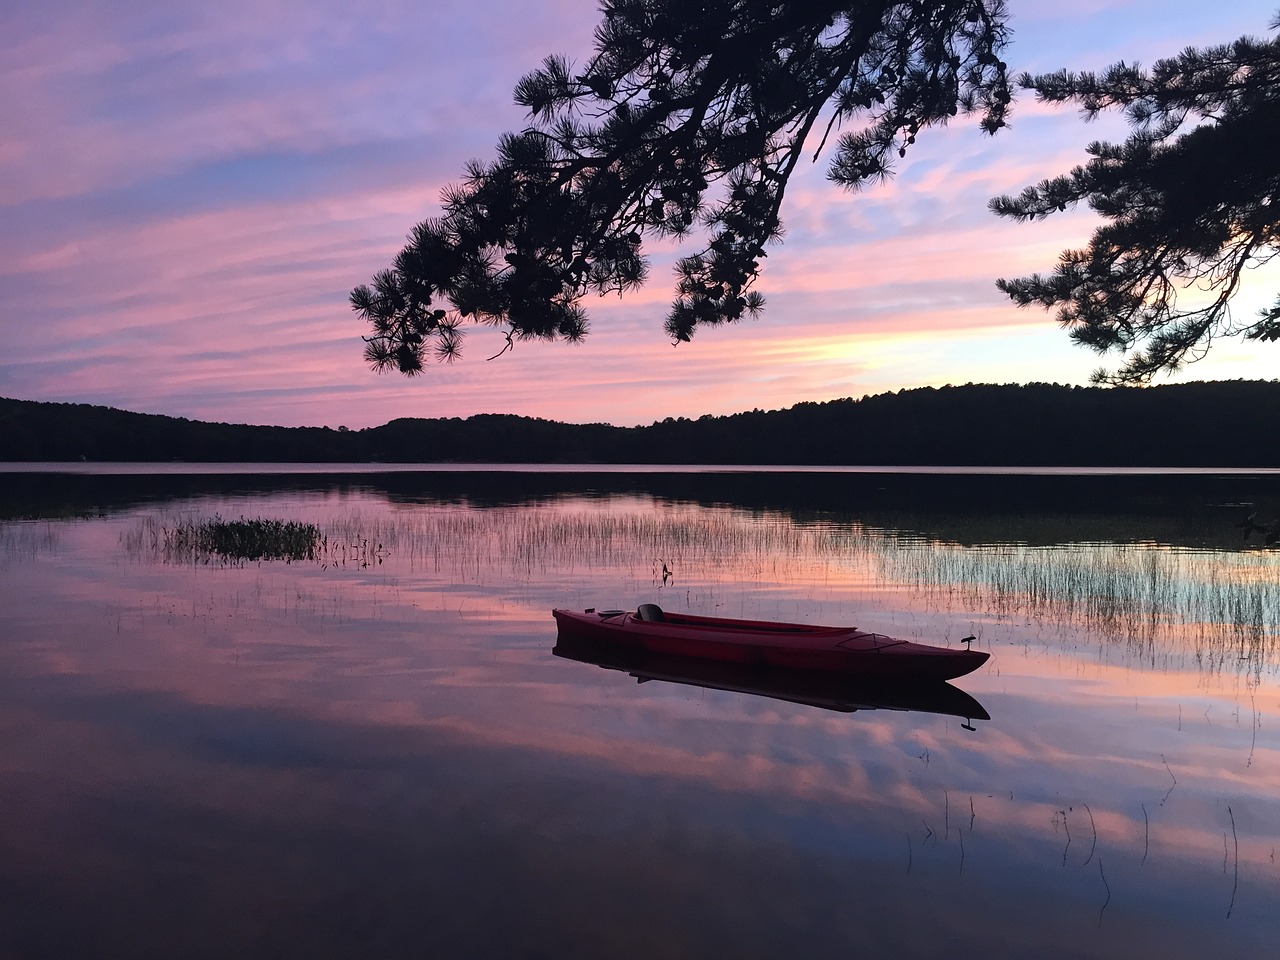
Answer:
(1191, 199)
(689, 118)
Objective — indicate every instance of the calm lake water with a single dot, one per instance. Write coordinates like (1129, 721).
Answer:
(376, 752)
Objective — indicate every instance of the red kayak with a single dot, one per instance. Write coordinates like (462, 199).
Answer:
(796, 646)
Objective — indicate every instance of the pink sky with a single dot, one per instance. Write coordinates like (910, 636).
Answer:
(188, 192)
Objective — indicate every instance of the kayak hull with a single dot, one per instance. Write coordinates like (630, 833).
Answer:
(793, 646)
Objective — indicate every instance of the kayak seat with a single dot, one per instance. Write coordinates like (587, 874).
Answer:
(651, 612)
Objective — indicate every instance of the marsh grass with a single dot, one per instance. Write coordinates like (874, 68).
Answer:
(215, 540)
(1152, 600)
(239, 540)
(1227, 605)
(25, 540)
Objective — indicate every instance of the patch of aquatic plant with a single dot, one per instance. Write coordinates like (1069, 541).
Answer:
(245, 540)
(242, 539)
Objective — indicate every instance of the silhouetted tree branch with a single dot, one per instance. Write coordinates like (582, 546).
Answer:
(690, 117)
(1190, 198)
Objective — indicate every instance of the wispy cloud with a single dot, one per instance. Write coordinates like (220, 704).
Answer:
(188, 193)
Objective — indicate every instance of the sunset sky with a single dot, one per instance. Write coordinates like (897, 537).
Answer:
(189, 191)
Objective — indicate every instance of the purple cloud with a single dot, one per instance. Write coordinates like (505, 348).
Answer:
(188, 193)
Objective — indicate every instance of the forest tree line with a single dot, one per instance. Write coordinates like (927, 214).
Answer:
(1213, 424)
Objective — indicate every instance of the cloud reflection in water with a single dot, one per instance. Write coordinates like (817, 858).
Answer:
(276, 758)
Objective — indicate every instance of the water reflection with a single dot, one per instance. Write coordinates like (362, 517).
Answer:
(1186, 510)
(267, 758)
(826, 691)
(1155, 565)
(1216, 610)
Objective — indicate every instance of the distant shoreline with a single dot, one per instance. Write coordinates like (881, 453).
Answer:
(251, 468)
(1216, 426)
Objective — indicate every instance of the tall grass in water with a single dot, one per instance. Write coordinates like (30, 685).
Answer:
(1222, 609)
(1225, 605)
(25, 540)
(236, 540)
(243, 541)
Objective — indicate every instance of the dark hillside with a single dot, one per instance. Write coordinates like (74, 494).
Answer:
(1232, 423)
(1214, 424)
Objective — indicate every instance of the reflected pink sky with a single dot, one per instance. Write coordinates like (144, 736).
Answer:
(188, 193)
(446, 644)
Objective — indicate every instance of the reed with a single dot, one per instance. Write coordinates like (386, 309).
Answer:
(240, 540)
(1141, 596)
(1155, 603)
(1147, 598)
(25, 540)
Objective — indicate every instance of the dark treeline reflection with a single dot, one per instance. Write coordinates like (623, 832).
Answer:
(1175, 509)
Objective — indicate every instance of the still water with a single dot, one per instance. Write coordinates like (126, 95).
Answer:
(375, 752)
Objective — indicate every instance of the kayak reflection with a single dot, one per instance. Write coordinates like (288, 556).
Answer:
(826, 691)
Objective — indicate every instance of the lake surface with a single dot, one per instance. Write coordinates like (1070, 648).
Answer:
(375, 752)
